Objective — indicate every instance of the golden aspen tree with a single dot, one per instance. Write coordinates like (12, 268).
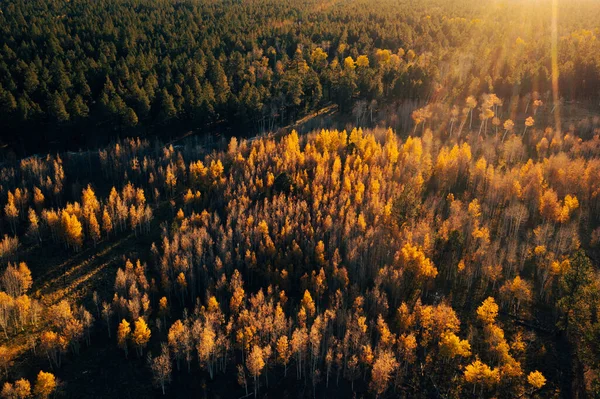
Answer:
(570, 203)
(140, 197)
(518, 345)
(414, 259)
(496, 122)
(11, 212)
(320, 253)
(6, 307)
(26, 281)
(549, 205)
(383, 56)
(94, 228)
(298, 345)
(123, 335)
(141, 335)
(188, 199)
(407, 345)
(315, 336)
(216, 170)
(38, 199)
(486, 114)
(176, 339)
(405, 318)
(536, 379)
(22, 389)
(516, 292)
(182, 285)
(528, 123)
(107, 226)
(268, 353)
(349, 63)
(382, 371)
(206, 347)
(22, 305)
(163, 308)
(536, 104)
(307, 303)
(7, 356)
(45, 384)
(72, 331)
(16, 279)
(478, 373)
(237, 298)
(134, 218)
(452, 346)
(283, 352)
(72, 230)
(34, 225)
(362, 61)
(255, 364)
(89, 202)
(509, 125)
(50, 343)
(386, 338)
(488, 311)
(8, 391)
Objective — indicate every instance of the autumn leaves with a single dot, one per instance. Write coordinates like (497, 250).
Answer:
(483, 377)
(139, 337)
(489, 112)
(336, 256)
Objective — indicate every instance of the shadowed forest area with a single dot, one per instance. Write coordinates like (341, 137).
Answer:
(315, 199)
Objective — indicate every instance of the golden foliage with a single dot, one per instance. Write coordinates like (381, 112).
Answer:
(536, 379)
(488, 311)
(45, 384)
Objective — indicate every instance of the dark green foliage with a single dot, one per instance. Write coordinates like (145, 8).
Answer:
(101, 65)
(253, 65)
(283, 183)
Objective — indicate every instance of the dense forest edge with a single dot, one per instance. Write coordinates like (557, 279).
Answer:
(75, 74)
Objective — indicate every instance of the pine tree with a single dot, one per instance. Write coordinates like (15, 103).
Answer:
(167, 107)
(130, 118)
(57, 108)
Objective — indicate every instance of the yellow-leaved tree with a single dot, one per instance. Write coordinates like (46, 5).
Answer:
(141, 335)
(45, 385)
(123, 334)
